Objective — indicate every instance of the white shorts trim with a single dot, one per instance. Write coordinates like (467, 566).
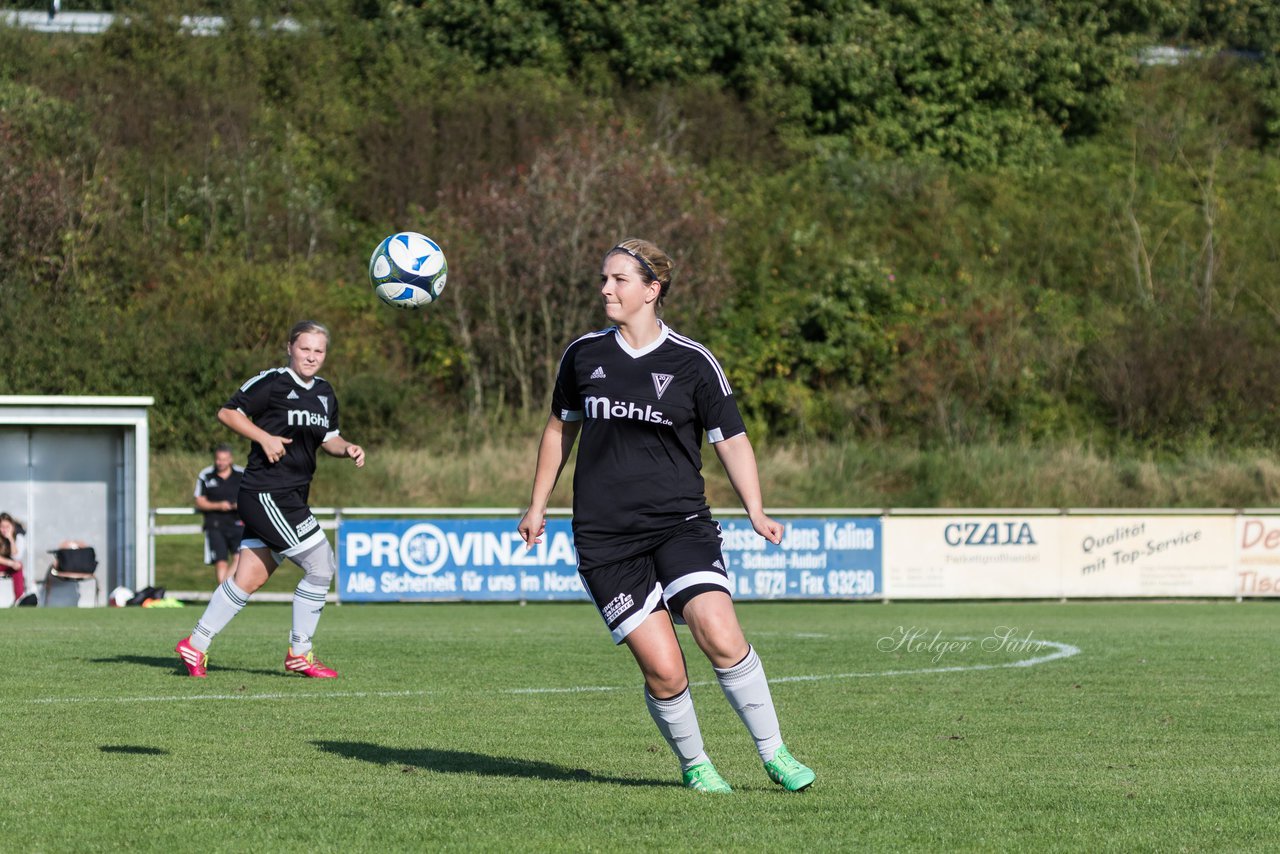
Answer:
(630, 624)
(684, 582)
(315, 539)
(255, 543)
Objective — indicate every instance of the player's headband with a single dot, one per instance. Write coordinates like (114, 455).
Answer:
(653, 277)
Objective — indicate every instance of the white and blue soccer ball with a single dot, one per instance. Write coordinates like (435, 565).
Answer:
(408, 270)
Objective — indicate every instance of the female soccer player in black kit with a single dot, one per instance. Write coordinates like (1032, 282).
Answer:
(648, 550)
(288, 413)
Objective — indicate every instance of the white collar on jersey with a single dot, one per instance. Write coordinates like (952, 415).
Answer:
(646, 349)
(297, 379)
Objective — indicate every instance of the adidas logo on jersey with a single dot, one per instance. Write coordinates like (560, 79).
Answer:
(293, 395)
(617, 605)
(598, 373)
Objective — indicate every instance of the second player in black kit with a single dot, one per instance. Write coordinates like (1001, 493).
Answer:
(289, 414)
(643, 396)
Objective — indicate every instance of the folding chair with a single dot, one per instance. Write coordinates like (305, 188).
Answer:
(73, 565)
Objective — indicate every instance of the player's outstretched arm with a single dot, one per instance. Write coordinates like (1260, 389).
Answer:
(340, 447)
(739, 461)
(553, 452)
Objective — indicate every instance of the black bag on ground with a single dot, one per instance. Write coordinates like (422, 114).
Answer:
(146, 593)
(76, 560)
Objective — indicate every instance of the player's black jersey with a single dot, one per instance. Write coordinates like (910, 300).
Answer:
(214, 488)
(639, 468)
(279, 402)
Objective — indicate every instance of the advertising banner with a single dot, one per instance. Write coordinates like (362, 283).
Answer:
(398, 560)
(971, 557)
(475, 559)
(819, 558)
(1257, 551)
(1124, 556)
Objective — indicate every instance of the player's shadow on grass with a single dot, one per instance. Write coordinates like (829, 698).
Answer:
(465, 762)
(172, 663)
(133, 748)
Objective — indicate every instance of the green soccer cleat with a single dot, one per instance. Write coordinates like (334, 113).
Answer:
(704, 777)
(787, 772)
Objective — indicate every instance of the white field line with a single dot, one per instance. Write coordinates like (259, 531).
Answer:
(1061, 650)
(191, 698)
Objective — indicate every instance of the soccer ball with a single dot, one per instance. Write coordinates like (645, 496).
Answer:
(408, 270)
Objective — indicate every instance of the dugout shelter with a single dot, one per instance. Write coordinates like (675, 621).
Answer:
(77, 468)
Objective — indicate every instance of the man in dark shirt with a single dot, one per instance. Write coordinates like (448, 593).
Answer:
(216, 489)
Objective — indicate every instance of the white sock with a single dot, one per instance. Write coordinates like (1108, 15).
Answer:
(678, 724)
(225, 603)
(747, 690)
(308, 602)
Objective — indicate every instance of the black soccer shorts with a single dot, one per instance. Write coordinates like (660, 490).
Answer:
(280, 521)
(222, 539)
(667, 576)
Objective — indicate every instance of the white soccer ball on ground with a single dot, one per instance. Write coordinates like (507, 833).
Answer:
(408, 270)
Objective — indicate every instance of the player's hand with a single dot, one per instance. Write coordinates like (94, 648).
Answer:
(768, 528)
(356, 453)
(228, 506)
(532, 527)
(273, 447)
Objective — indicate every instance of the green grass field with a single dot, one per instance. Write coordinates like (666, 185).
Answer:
(180, 566)
(499, 727)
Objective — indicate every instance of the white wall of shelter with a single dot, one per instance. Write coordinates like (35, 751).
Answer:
(77, 468)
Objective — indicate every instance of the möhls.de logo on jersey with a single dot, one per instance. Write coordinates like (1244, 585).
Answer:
(303, 418)
(605, 408)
